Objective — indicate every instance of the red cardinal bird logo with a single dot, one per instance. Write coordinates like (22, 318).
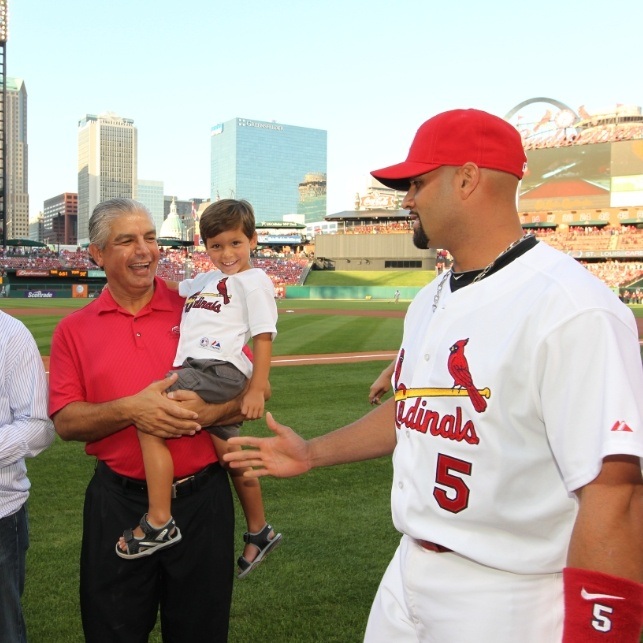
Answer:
(459, 369)
(222, 289)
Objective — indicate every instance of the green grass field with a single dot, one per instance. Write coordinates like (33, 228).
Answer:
(338, 536)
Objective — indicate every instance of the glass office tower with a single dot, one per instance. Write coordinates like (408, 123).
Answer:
(150, 194)
(280, 169)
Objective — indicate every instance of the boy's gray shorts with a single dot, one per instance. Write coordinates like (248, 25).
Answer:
(215, 382)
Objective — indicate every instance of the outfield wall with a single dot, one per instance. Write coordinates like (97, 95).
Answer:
(63, 283)
(350, 292)
(370, 251)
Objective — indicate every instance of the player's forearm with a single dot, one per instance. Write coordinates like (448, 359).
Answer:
(608, 534)
(372, 436)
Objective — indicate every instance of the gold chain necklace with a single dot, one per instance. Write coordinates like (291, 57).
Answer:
(480, 276)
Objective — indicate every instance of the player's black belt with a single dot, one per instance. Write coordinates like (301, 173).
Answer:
(439, 549)
(182, 487)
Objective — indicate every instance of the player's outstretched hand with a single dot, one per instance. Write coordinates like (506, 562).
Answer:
(283, 456)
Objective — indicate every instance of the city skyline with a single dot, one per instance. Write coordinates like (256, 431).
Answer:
(366, 72)
(273, 165)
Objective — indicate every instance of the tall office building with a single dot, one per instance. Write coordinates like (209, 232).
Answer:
(60, 219)
(107, 157)
(17, 203)
(280, 169)
(150, 194)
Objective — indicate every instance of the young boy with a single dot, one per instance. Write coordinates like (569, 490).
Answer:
(223, 309)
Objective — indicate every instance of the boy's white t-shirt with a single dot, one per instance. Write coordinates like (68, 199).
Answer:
(222, 312)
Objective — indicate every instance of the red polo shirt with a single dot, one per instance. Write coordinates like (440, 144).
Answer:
(102, 352)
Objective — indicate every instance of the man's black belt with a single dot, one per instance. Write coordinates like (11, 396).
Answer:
(181, 487)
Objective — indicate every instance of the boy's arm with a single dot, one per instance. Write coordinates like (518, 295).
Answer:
(172, 285)
(253, 400)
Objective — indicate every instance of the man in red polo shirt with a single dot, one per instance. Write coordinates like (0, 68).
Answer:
(103, 358)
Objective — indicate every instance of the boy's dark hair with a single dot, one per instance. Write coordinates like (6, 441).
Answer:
(224, 215)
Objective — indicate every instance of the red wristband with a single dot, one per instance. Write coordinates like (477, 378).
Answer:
(601, 608)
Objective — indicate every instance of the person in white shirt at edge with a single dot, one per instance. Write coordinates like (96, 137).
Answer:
(25, 431)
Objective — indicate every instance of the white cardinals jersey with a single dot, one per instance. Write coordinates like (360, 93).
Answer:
(222, 312)
(508, 397)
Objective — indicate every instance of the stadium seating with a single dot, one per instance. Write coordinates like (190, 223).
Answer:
(287, 269)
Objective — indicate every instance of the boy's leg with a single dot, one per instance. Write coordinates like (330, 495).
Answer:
(159, 474)
(248, 491)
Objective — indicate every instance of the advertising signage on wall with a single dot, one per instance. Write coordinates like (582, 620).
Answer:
(32, 273)
(57, 273)
(39, 294)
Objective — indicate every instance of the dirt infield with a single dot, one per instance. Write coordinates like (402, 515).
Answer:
(299, 360)
(302, 360)
(34, 312)
(30, 312)
(346, 312)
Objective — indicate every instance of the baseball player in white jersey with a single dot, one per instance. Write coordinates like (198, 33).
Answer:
(516, 426)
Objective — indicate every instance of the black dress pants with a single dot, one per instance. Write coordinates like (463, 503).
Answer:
(190, 582)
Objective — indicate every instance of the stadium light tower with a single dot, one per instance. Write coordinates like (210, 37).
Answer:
(3, 121)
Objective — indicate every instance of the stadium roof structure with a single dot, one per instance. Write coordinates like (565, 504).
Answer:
(26, 242)
(368, 215)
(293, 225)
(173, 243)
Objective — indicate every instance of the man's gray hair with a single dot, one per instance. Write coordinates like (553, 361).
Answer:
(106, 212)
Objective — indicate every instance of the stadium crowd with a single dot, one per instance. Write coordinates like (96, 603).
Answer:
(284, 270)
(616, 273)
(287, 267)
(388, 227)
(23, 258)
(607, 133)
(596, 238)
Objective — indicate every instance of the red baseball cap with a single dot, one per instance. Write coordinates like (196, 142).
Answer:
(457, 137)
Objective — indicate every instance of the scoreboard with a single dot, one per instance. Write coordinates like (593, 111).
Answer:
(67, 272)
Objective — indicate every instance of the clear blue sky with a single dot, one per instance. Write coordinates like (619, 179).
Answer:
(367, 71)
